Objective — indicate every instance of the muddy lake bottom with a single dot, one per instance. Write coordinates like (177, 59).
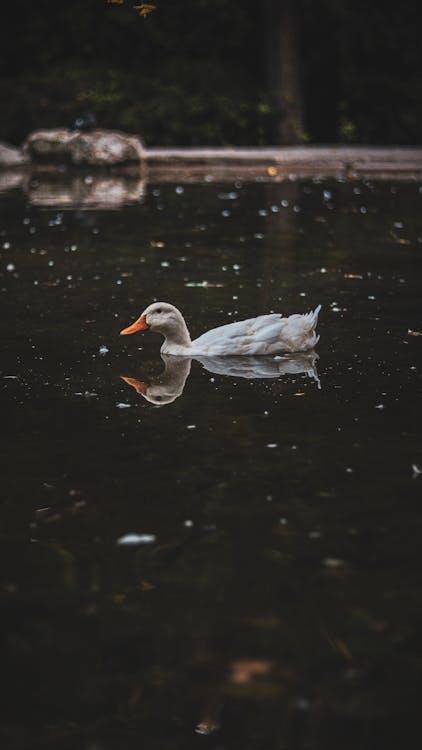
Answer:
(238, 566)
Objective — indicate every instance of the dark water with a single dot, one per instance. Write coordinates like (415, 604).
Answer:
(275, 601)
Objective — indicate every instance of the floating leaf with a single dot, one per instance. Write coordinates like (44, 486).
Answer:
(244, 670)
(119, 598)
(342, 648)
(144, 8)
(414, 333)
(146, 586)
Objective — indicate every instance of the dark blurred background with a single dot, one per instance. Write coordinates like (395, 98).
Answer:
(215, 72)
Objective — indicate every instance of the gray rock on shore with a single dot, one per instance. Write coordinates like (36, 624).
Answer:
(106, 147)
(11, 156)
(94, 148)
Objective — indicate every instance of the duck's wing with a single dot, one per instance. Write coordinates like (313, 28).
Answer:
(252, 336)
(266, 334)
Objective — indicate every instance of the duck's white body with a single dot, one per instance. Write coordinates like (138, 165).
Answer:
(266, 334)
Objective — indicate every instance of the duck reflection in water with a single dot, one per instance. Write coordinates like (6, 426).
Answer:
(169, 385)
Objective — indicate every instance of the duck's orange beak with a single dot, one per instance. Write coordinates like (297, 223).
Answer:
(139, 325)
(138, 385)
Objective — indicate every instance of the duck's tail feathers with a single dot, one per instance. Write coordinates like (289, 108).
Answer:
(311, 318)
(316, 313)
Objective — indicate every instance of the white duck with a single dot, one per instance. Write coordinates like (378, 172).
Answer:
(266, 334)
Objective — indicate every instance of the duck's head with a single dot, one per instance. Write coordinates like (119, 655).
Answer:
(160, 316)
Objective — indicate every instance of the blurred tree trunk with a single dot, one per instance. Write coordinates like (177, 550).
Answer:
(284, 68)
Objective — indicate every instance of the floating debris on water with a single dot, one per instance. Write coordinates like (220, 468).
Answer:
(132, 539)
(333, 562)
(416, 471)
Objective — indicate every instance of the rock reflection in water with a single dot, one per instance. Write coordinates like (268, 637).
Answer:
(169, 385)
(82, 190)
(89, 191)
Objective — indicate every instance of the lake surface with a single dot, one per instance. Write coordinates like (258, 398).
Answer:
(273, 596)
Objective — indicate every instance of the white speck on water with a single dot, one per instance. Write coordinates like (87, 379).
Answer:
(191, 426)
(228, 196)
(226, 212)
(416, 471)
(258, 236)
(103, 350)
(314, 535)
(164, 264)
(10, 267)
(121, 405)
(380, 406)
(398, 225)
(370, 296)
(275, 209)
(284, 203)
(272, 445)
(349, 470)
(327, 195)
(179, 190)
(363, 210)
(283, 521)
(188, 523)
(333, 562)
(296, 209)
(6, 245)
(302, 704)
(236, 267)
(136, 539)
(263, 212)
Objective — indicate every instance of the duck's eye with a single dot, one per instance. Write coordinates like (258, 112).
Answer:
(159, 310)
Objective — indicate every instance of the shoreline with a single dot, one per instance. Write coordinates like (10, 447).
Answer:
(269, 164)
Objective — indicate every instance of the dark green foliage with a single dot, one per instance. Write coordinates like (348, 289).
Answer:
(194, 73)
